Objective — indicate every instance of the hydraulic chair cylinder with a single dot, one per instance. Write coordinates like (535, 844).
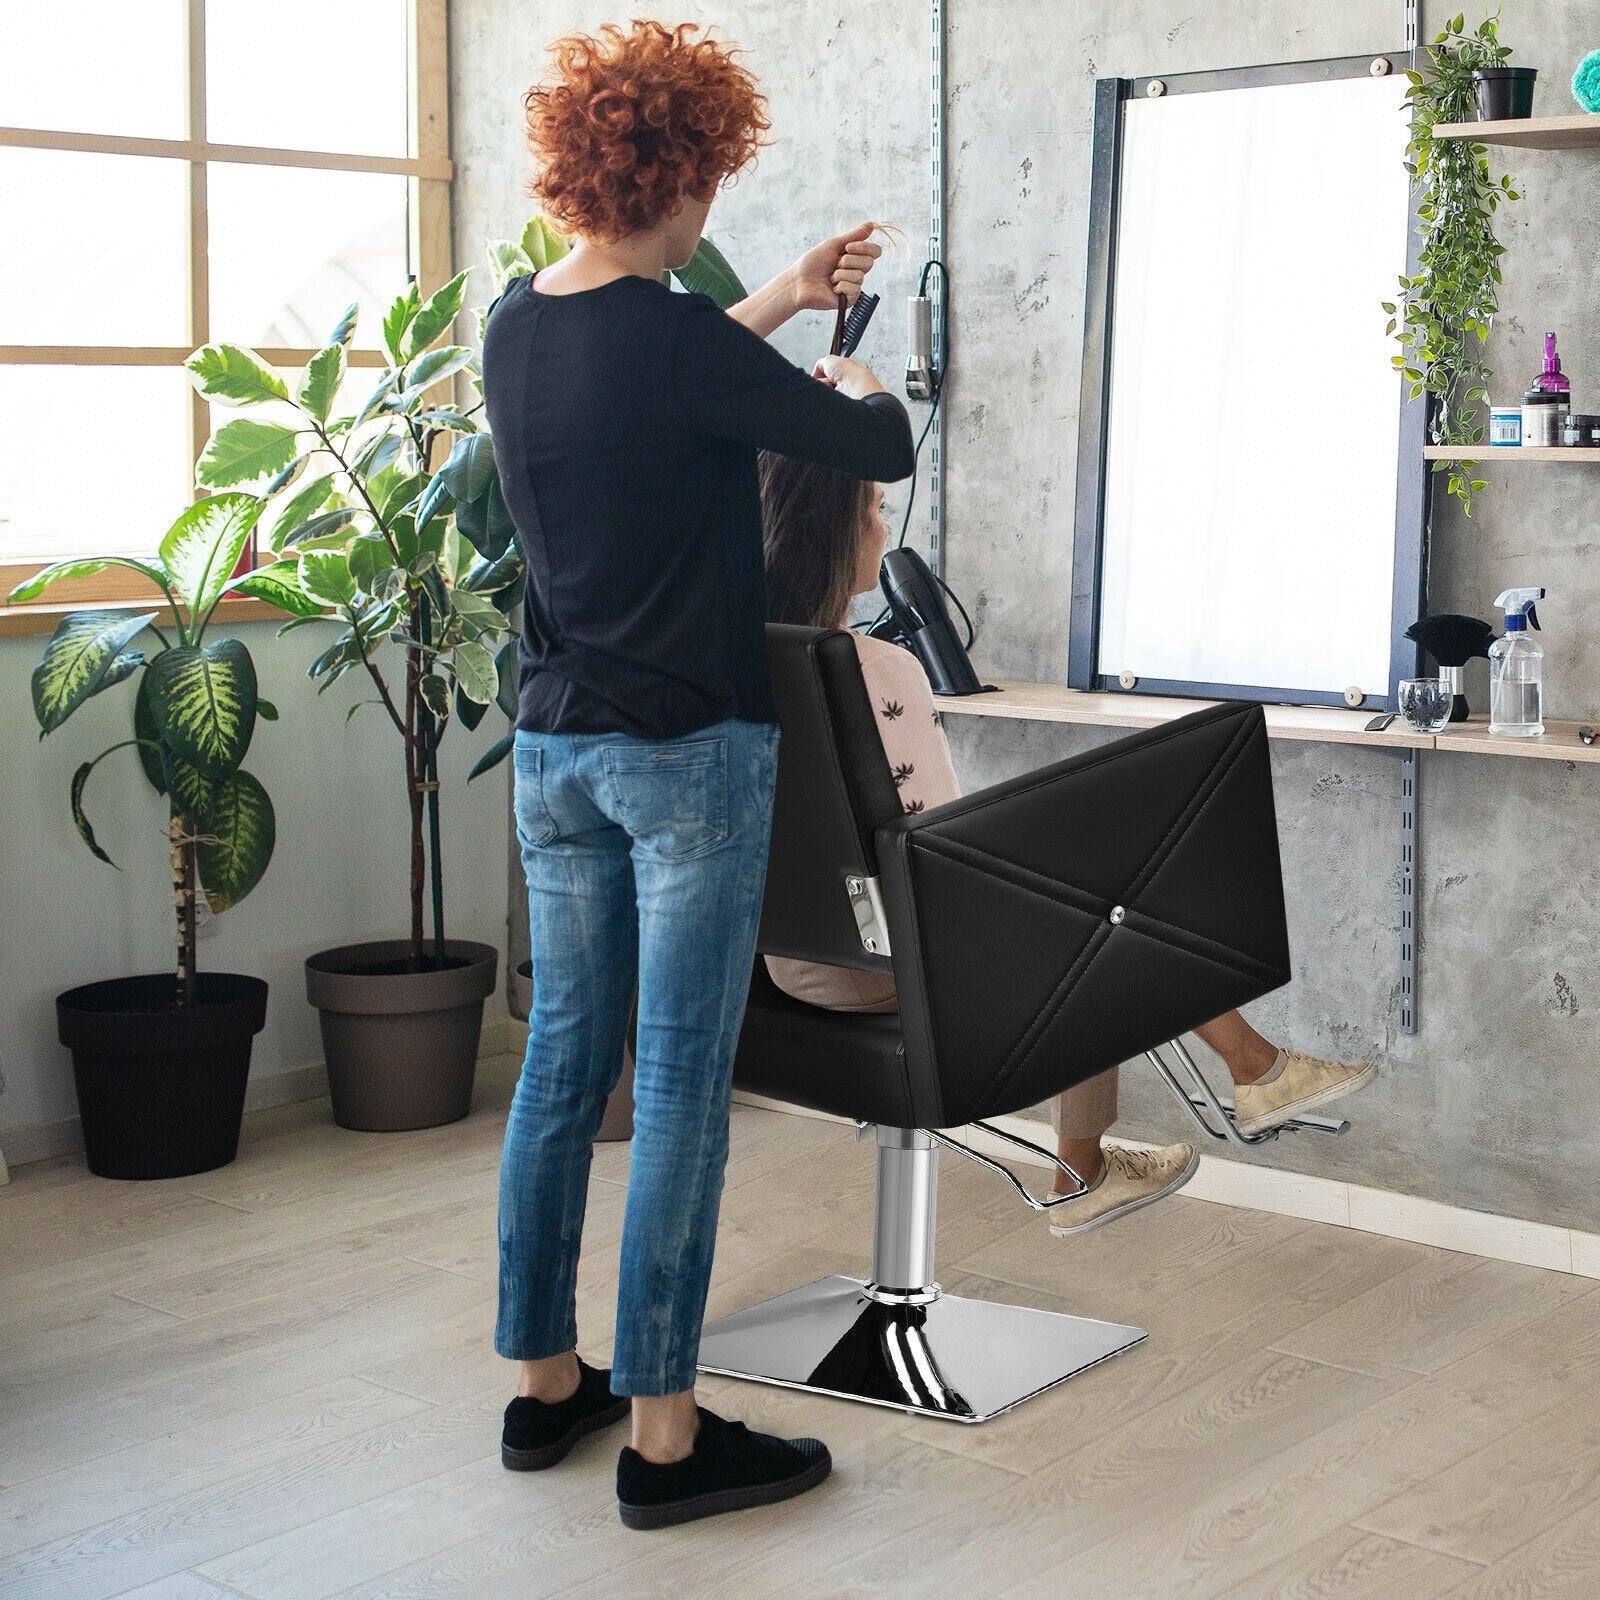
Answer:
(906, 1215)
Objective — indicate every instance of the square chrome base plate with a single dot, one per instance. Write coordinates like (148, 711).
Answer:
(967, 1360)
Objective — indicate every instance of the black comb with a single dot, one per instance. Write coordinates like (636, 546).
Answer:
(855, 323)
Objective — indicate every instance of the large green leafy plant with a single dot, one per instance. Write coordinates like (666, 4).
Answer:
(194, 709)
(1443, 313)
(707, 271)
(389, 527)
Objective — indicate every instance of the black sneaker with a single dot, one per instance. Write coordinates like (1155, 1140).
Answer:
(731, 1468)
(539, 1433)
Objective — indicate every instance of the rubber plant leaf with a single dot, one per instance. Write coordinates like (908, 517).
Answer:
(234, 376)
(244, 450)
(491, 758)
(434, 317)
(277, 583)
(319, 383)
(469, 470)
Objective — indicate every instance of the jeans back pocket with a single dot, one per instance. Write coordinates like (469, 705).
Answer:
(535, 825)
(672, 797)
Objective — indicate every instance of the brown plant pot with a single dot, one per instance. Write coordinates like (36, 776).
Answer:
(161, 1091)
(401, 1047)
(617, 1123)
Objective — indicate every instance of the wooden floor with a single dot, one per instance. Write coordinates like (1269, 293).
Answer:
(275, 1381)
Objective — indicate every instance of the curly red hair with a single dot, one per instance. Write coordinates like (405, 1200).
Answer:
(630, 122)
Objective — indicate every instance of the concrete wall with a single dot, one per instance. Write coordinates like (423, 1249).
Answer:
(1496, 1103)
(339, 874)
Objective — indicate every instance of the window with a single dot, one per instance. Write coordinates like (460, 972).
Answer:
(180, 171)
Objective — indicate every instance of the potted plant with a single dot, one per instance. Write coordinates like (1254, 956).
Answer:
(1443, 313)
(160, 1061)
(411, 559)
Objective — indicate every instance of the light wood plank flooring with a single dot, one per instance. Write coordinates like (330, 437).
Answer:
(275, 1382)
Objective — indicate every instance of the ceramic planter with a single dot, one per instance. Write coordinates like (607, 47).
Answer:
(161, 1091)
(401, 1047)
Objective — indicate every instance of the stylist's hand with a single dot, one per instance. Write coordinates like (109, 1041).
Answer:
(848, 377)
(833, 268)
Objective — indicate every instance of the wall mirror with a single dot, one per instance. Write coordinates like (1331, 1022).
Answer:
(1251, 490)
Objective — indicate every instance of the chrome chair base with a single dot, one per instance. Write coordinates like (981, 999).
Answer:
(967, 1360)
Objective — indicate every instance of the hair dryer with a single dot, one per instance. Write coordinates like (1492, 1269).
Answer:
(917, 606)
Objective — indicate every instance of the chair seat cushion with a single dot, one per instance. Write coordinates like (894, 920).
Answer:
(847, 1064)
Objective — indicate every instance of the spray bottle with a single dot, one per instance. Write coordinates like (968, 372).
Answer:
(1516, 669)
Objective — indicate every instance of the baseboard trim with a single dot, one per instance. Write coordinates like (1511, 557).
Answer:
(1340, 1204)
(43, 1141)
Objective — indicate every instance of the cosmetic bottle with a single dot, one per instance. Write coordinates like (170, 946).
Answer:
(1552, 379)
(1542, 410)
(1505, 425)
(1516, 669)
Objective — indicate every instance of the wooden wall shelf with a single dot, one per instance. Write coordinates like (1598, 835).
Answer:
(1054, 702)
(1580, 132)
(1571, 455)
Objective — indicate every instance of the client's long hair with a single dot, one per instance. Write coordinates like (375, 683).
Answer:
(812, 521)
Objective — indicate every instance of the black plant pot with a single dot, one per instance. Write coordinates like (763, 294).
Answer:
(1504, 93)
(161, 1091)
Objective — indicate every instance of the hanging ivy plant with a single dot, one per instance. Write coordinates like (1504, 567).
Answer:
(1441, 316)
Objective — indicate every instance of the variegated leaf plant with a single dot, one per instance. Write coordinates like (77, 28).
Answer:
(194, 708)
(390, 529)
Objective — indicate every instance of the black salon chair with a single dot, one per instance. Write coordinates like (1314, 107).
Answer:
(1039, 931)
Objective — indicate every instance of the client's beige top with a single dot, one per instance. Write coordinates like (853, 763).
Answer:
(908, 724)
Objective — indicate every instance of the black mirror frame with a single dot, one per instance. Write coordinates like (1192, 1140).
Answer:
(1412, 496)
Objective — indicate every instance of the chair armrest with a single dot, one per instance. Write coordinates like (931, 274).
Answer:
(1057, 924)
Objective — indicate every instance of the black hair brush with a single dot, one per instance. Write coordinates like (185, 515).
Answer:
(851, 323)
(1453, 640)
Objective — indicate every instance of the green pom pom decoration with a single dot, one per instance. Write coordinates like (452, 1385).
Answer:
(1586, 82)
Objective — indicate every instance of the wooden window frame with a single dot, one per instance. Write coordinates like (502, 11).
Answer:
(428, 170)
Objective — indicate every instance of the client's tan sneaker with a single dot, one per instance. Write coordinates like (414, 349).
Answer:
(1132, 1178)
(1304, 1084)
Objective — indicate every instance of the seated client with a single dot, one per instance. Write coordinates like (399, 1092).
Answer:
(824, 539)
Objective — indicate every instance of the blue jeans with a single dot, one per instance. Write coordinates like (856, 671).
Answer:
(645, 863)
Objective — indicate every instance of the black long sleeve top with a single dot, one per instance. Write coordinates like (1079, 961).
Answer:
(626, 422)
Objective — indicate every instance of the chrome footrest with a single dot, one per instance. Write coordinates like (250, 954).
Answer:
(1198, 1098)
(965, 1360)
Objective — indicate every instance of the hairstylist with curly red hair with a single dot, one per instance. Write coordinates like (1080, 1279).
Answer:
(626, 421)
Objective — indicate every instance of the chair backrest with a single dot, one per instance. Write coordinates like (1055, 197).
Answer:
(834, 791)
(1055, 924)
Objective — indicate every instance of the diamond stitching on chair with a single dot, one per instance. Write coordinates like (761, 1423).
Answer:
(1233, 971)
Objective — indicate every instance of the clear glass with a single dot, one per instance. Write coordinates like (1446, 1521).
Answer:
(106, 465)
(280, 282)
(96, 66)
(309, 75)
(101, 253)
(1425, 703)
(1248, 336)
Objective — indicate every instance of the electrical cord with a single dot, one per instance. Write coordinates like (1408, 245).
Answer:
(972, 633)
(916, 466)
(911, 495)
